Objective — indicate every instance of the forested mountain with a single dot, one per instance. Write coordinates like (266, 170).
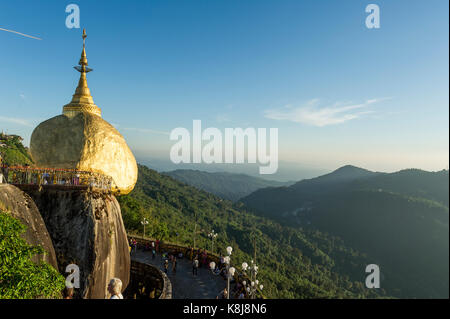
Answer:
(294, 263)
(400, 219)
(226, 185)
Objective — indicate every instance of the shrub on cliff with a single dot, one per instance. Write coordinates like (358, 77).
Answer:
(20, 277)
(12, 152)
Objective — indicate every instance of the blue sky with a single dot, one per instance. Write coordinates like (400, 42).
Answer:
(339, 93)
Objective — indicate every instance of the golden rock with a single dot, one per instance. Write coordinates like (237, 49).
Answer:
(80, 139)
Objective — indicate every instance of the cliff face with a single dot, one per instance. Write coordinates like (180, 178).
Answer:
(87, 230)
(22, 207)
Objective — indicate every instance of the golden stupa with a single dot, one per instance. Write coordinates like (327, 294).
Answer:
(80, 139)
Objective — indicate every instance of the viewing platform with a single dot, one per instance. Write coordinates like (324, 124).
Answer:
(33, 178)
(206, 285)
(147, 282)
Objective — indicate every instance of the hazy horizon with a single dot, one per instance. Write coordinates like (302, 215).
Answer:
(287, 172)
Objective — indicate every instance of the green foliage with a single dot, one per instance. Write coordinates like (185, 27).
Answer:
(400, 232)
(400, 220)
(413, 182)
(20, 277)
(14, 153)
(293, 263)
(225, 185)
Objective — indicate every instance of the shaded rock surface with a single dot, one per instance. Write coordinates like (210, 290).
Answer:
(22, 207)
(87, 230)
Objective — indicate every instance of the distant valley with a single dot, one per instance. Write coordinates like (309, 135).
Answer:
(400, 219)
(229, 186)
(346, 219)
(316, 235)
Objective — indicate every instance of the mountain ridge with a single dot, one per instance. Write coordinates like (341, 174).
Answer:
(231, 186)
(293, 263)
(406, 213)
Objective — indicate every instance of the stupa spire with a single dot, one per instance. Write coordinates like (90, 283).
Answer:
(83, 60)
(82, 100)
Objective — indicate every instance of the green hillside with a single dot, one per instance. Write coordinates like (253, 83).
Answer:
(12, 151)
(226, 185)
(408, 237)
(293, 263)
(398, 219)
(413, 182)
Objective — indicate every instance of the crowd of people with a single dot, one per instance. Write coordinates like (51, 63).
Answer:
(199, 259)
(37, 176)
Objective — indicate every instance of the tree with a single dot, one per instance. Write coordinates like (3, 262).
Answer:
(20, 277)
(160, 230)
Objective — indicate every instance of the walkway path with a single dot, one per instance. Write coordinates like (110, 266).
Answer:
(184, 285)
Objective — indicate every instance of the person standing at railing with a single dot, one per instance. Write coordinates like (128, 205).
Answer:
(131, 244)
(195, 266)
(45, 178)
(166, 265)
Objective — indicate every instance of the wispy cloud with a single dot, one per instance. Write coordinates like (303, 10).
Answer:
(22, 34)
(16, 121)
(312, 113)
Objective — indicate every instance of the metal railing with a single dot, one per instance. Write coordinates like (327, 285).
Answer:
(26, 175)
(166, 246)
(147, 281)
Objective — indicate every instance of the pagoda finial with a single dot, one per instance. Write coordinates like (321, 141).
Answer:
(83, 60)
(82, 100)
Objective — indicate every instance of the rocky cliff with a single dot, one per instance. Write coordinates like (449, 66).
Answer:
(87, 230)
(21, 206)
